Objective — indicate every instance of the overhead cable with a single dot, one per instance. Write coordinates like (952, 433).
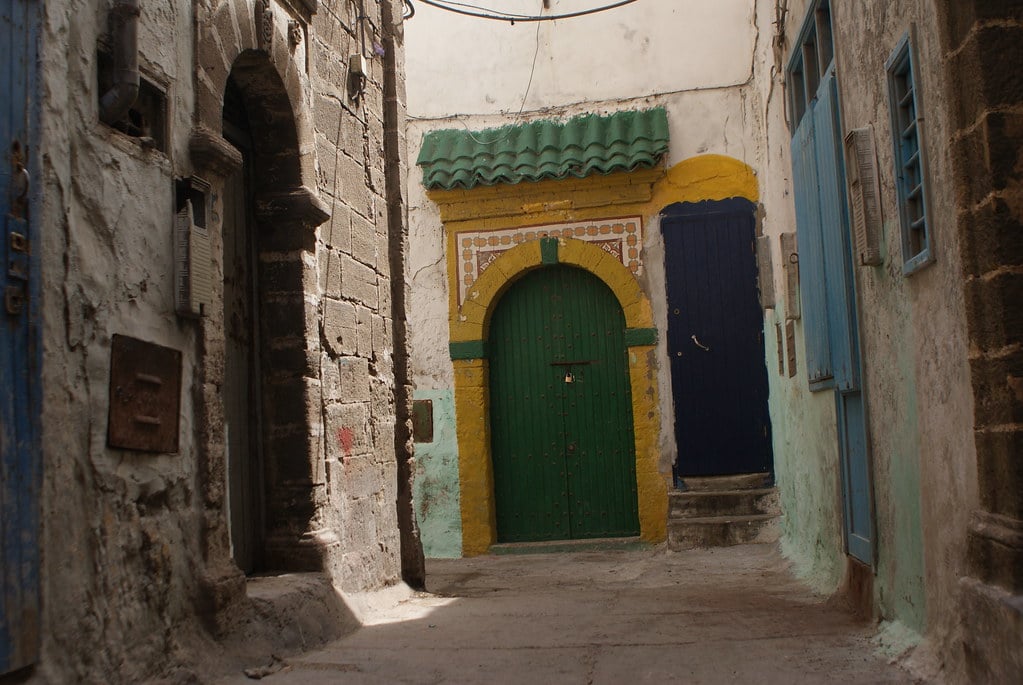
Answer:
(499, 15)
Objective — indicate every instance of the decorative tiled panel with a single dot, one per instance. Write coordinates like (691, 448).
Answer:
(477, 250)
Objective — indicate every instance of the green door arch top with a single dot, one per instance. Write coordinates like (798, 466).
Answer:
(561, 410)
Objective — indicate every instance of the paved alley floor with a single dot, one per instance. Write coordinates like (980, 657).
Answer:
(641, 615)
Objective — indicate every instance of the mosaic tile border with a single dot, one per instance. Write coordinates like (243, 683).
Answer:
(618, 236)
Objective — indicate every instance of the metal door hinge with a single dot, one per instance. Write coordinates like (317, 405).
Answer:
(14, 299)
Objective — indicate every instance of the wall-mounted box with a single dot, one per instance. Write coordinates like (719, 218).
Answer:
(193, 261)
(145, 396)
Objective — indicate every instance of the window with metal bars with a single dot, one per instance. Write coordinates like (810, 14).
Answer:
(910, 163)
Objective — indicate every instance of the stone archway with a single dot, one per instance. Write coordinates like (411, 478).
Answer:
(273, 89)
(469, 335)
(276, 481)
(284, 215)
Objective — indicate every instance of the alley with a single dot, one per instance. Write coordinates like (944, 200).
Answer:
(605, 615)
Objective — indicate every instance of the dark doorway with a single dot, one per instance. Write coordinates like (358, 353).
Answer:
(241, 391)
(715, 339)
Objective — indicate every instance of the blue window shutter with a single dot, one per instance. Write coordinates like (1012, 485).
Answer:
(835, 239)
(812, 282)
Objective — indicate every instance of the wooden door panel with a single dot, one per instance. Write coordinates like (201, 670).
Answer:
(561, 421)
(20, 457)
(715, 340)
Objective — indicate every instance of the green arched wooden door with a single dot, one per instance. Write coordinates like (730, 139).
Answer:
(561, 410)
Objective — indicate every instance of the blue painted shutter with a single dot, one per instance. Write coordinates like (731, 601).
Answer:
(812, 279)
(839, 292)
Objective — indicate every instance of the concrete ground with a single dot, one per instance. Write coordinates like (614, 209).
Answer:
(603, 614)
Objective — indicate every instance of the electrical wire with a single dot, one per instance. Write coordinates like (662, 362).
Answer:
(498, 15)
(408, 11)
(467, 5)
(525, 94)
(522, 107)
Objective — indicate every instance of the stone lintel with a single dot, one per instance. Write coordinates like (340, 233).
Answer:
(212, 154)
(299, 204)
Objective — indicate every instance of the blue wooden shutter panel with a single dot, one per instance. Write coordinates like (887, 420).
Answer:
(840, 296)
(812, 281)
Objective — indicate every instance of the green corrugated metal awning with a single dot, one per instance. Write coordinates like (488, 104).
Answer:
(579, 147)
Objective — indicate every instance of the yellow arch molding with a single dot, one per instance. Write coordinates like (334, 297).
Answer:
(707, 177)
(472, 402)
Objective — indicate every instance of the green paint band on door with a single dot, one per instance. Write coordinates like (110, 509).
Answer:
(561, 410)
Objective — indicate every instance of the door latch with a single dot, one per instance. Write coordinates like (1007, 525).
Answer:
(699, 344)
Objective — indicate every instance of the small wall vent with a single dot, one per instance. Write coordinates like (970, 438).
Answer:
(864, 195)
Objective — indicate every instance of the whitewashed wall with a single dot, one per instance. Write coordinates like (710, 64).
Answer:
(465, 65)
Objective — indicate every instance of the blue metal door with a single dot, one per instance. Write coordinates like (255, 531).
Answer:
(20, 463)
(715, 339)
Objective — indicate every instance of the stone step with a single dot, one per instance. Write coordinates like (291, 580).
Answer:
(692, 504)
(721, 531)
(743, 481)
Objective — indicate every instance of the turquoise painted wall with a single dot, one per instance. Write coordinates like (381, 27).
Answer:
(806, 467)
(435, 489)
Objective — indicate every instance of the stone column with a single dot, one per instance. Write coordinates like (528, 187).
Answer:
(286, 221)
(983, 43)
(222, 583)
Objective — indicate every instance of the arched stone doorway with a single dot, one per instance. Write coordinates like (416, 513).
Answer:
(275, 478)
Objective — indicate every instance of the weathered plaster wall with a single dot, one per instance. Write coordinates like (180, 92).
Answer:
(805, 435)
(120, 540)
(913, 336)
(436, 480)
(913, 345)
(135, 547)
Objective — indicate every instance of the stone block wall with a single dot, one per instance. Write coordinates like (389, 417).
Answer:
(137, 548)
(982, 44)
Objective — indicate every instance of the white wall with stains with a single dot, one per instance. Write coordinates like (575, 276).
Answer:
(466, 65)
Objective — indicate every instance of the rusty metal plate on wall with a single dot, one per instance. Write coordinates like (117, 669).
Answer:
(145, 396)
(422, 420)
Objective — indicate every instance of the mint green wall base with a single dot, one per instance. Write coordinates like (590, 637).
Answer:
(435, 488)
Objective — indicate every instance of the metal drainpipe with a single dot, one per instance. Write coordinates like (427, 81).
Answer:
(115, 102)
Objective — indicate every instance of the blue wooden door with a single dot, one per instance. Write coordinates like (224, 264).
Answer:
(20, 465)
(715, 339)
